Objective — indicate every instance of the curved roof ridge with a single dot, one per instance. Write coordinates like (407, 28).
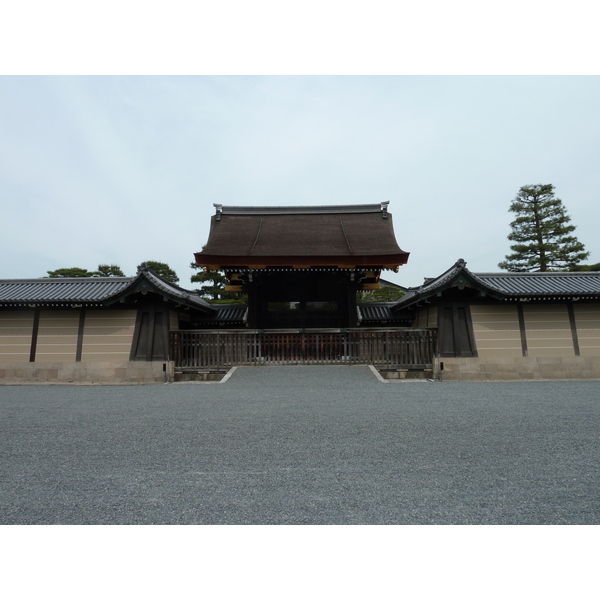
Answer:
(509, 286)
(459, 266)
(171, 289)
(431, 286)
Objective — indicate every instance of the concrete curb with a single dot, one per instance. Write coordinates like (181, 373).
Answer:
(378, 374)
(228, 375)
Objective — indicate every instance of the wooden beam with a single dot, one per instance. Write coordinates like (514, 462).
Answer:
(34, 334)
(522, 329)
(573, 324)
(80, 335)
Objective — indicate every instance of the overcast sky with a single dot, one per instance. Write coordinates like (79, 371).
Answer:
(126, 169)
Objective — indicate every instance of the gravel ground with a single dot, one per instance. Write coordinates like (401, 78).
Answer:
(301, 445)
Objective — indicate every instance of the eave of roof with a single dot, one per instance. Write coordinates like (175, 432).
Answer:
(581, 284)
(509, 286)
(84, 291)
(148, 281)
(227, 314)
(382, 311)
(215, 261)
(373, 312)
(355, 235)
(93, 291)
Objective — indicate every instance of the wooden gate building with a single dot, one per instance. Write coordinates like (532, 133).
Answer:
(302, 266)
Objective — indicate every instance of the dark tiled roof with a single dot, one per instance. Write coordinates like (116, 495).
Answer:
(92, 291)
(509, 286)
(519, 284)
(381, 311)
(305, 235)
(191, 297)
(369, 311)
(230, 312)
(88, 290)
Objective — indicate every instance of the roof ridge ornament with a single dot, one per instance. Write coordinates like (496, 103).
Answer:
(378, 207)
(143, 268)
(384, 209)
(461, 263)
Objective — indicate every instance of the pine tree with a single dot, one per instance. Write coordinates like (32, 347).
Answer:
(109, 271)
(542, 233)
(383, 294)
(70, 272)
(216, 291)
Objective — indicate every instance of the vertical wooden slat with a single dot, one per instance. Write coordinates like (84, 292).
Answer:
(384, 348)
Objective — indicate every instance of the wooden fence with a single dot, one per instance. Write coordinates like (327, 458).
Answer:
(383, 348)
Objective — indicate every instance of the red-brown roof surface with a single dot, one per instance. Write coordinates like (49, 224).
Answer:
(336, 235)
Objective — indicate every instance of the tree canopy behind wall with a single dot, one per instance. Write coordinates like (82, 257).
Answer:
(109, 271)
(595, 267)
(542, 232)
(214, 286)
(163, 270)
(384, 294)
(103, 271)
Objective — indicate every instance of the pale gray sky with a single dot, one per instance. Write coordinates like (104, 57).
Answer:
(125, 169)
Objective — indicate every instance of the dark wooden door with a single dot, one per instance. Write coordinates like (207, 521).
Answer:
(456, 330)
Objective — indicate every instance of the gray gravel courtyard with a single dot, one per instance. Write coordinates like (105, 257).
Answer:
(301, 445)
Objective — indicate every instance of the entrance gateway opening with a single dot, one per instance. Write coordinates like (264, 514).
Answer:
(304, 300)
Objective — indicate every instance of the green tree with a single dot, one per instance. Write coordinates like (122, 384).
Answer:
(214, 286)
(108, 271)
(595, 267)
(162, 270)
(542, 233)
(72, 272)
(103, 271)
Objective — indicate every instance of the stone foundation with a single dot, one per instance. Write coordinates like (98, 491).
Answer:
(455, 369)
(199, 376)
(118, 372)
(505, 369)
(406, 373)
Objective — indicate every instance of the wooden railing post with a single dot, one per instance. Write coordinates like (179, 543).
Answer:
(381, 347)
